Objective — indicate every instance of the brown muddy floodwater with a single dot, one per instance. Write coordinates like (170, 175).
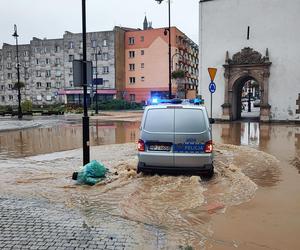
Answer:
(252, 202)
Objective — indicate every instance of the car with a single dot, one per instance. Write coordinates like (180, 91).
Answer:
(176, 137)
(256, 103)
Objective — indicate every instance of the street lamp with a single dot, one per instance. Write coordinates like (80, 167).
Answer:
(85, 118)
(169, 29)
(15, 35)
(96, 82)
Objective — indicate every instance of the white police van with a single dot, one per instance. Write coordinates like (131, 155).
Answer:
(176, 136)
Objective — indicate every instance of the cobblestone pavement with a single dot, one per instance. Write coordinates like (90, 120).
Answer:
(36, 224)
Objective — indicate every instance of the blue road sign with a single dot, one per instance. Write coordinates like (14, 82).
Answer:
(212, 87)
(98, 81)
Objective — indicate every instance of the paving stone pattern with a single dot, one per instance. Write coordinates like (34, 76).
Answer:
(35, 224)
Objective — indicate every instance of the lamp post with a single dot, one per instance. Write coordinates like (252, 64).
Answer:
(85, 118)
(169, 30)
(96, 82)
(15, 35)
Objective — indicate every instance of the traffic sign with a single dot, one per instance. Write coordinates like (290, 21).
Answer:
(212, 87)
(212, 73)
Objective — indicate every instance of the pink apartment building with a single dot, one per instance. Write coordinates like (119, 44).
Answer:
(146, 64)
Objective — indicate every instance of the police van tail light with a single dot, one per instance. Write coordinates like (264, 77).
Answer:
(208, 147)
(141, 145)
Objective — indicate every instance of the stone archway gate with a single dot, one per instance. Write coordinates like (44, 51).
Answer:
(247, 63)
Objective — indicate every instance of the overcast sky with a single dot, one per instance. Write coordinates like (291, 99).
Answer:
(50, 18)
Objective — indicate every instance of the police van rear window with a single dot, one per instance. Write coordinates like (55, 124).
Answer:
(159, 120)
(190, 121)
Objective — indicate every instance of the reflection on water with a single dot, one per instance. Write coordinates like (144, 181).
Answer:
(64, 137)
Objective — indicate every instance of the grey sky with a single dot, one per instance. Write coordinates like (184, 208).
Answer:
(50, 18)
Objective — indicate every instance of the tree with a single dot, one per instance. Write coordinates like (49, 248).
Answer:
(178, 74)
(19, 85)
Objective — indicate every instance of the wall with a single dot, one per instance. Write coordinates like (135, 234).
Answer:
(273, 25)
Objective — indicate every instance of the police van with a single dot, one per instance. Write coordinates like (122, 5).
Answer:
(176, 136)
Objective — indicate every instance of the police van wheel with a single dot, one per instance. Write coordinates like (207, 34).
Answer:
(210, 173)
(139, 168)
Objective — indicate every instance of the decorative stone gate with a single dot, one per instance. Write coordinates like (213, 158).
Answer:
(245, 65)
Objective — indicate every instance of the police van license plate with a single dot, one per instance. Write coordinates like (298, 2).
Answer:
(159, 148)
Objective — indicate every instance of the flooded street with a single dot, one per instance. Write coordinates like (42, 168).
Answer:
(252, 202)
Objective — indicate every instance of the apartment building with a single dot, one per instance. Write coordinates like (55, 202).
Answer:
(147, 62)
(47, 72)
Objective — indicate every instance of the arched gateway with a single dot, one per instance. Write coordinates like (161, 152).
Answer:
(245, 65)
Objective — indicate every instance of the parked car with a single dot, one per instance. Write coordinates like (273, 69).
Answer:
(175, 137)
(256, 103)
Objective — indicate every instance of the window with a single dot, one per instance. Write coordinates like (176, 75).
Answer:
(56, 48)
(10, 86)
(57, 85)
(131, 66)
(81, 45)
(132, 97)
(9, 75)
(9, 54)
(2, 87)
(26, 64)
(71, 58)
(38, 85)
(26, 75)
(104, 42)
(142, 78)
(71, 45)
(57, 61)
(71, 83)
(131, 54)
(48, 73)
(142, 38)
(47, 60)
(131, 80)
(156, 115)
(3, 98)
(94, 70)
(142, 65)
(58, 73)
(94, 43)
(38, 97)
(25, 53)
(142, 52)
(105, 70)
(106, 83)
(11, 97)
(9, 65)
(38, 73)
(48, 85)
(71, 70)
(48, 97)
(37, 61)
(131, 40)
(80, 56)
(191, 121)
(105, 56)
(0, 67)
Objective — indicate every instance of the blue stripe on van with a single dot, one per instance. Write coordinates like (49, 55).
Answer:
(188, 148)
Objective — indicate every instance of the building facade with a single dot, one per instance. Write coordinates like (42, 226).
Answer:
(47, 71)
(251, 41)
(147, 62)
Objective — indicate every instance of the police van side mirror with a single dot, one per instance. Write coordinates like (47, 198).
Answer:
(211, 120)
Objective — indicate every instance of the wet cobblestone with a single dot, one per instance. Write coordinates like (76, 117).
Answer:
(35, 224)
